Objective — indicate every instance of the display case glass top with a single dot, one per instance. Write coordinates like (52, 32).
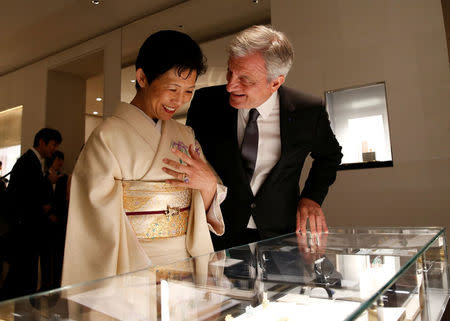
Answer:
(347, 274)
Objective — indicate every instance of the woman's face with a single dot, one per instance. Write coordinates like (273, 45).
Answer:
(57, 164)
(168, 92)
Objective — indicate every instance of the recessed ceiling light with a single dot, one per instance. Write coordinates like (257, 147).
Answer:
(133, 81)
(98, 99)
(96, 2)
(95, 112)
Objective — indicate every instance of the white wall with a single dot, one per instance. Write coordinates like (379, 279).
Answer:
(347, 43)
(65, 112)
(28, 86)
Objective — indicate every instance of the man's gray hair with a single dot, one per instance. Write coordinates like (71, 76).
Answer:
(274, 46)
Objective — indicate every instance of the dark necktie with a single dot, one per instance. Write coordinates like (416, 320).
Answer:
(249, 147)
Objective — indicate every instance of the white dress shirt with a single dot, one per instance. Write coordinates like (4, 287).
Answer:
(41, 159)
(269, 143)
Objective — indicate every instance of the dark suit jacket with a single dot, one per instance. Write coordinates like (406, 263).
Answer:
(304, 129)
(25, 196)
(26, 193)
(58, 200)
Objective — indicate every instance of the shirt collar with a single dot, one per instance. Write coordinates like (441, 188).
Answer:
(265, 108)
(41, 159)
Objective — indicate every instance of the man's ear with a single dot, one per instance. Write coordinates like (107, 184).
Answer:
(141, 78)
(276, 83)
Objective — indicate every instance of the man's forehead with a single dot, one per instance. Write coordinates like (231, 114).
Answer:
(250, 63)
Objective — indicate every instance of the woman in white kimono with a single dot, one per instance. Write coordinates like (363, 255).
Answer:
(142, 193)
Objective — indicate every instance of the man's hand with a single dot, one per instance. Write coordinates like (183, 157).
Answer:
(53, 218)
(308, 209)
(312, 247)
(46, 208)
(53, 176)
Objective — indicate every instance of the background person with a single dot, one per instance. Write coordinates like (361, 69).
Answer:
(3, 181)
(28, 209)
(52, 253)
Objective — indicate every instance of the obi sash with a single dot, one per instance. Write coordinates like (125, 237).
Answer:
(155, 209)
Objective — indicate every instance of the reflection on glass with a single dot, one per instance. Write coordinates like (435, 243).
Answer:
(362, 274)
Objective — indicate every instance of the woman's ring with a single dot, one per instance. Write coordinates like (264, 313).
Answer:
(185, 178)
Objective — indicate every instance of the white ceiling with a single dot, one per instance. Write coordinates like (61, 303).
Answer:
(31, 30)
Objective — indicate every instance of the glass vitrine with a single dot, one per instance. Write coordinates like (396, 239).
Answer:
(348, 274)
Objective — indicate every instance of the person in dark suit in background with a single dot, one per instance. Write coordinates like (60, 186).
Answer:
(257, 134)
(28, 209)
(3, 223)
(52, 253)
(3, 180)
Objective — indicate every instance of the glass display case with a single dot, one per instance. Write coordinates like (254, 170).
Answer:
(348, 274)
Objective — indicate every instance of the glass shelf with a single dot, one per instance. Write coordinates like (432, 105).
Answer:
(348, 274)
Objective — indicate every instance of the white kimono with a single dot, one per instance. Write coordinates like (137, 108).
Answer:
(100, 240)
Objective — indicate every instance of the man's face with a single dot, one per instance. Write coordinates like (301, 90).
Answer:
(167, 93)
(47, 150)
(247, 81)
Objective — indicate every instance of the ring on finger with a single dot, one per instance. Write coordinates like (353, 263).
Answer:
(185, 178)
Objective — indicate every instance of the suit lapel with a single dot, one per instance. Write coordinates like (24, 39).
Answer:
(234, 147)
(286, 121)
(35, 160)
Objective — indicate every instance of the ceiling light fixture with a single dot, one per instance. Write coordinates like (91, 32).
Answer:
(98, 99)
(133, 81)
(95, 112)
(96, 2)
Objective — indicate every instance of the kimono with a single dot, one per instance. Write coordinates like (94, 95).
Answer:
(118, 177)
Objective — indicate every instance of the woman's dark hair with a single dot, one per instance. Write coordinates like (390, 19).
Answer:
(56, 154)
(167, 49)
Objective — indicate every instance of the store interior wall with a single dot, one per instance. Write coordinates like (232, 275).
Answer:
(349, 43)
(65, 111)
(338, 44)
(28, 87)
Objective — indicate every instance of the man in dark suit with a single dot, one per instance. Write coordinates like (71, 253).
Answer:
(52, 253)
(28, 209)
(258, 147)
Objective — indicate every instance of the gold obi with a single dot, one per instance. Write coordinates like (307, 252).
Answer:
(156, 210)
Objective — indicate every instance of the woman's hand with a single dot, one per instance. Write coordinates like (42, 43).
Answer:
(193, 173)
